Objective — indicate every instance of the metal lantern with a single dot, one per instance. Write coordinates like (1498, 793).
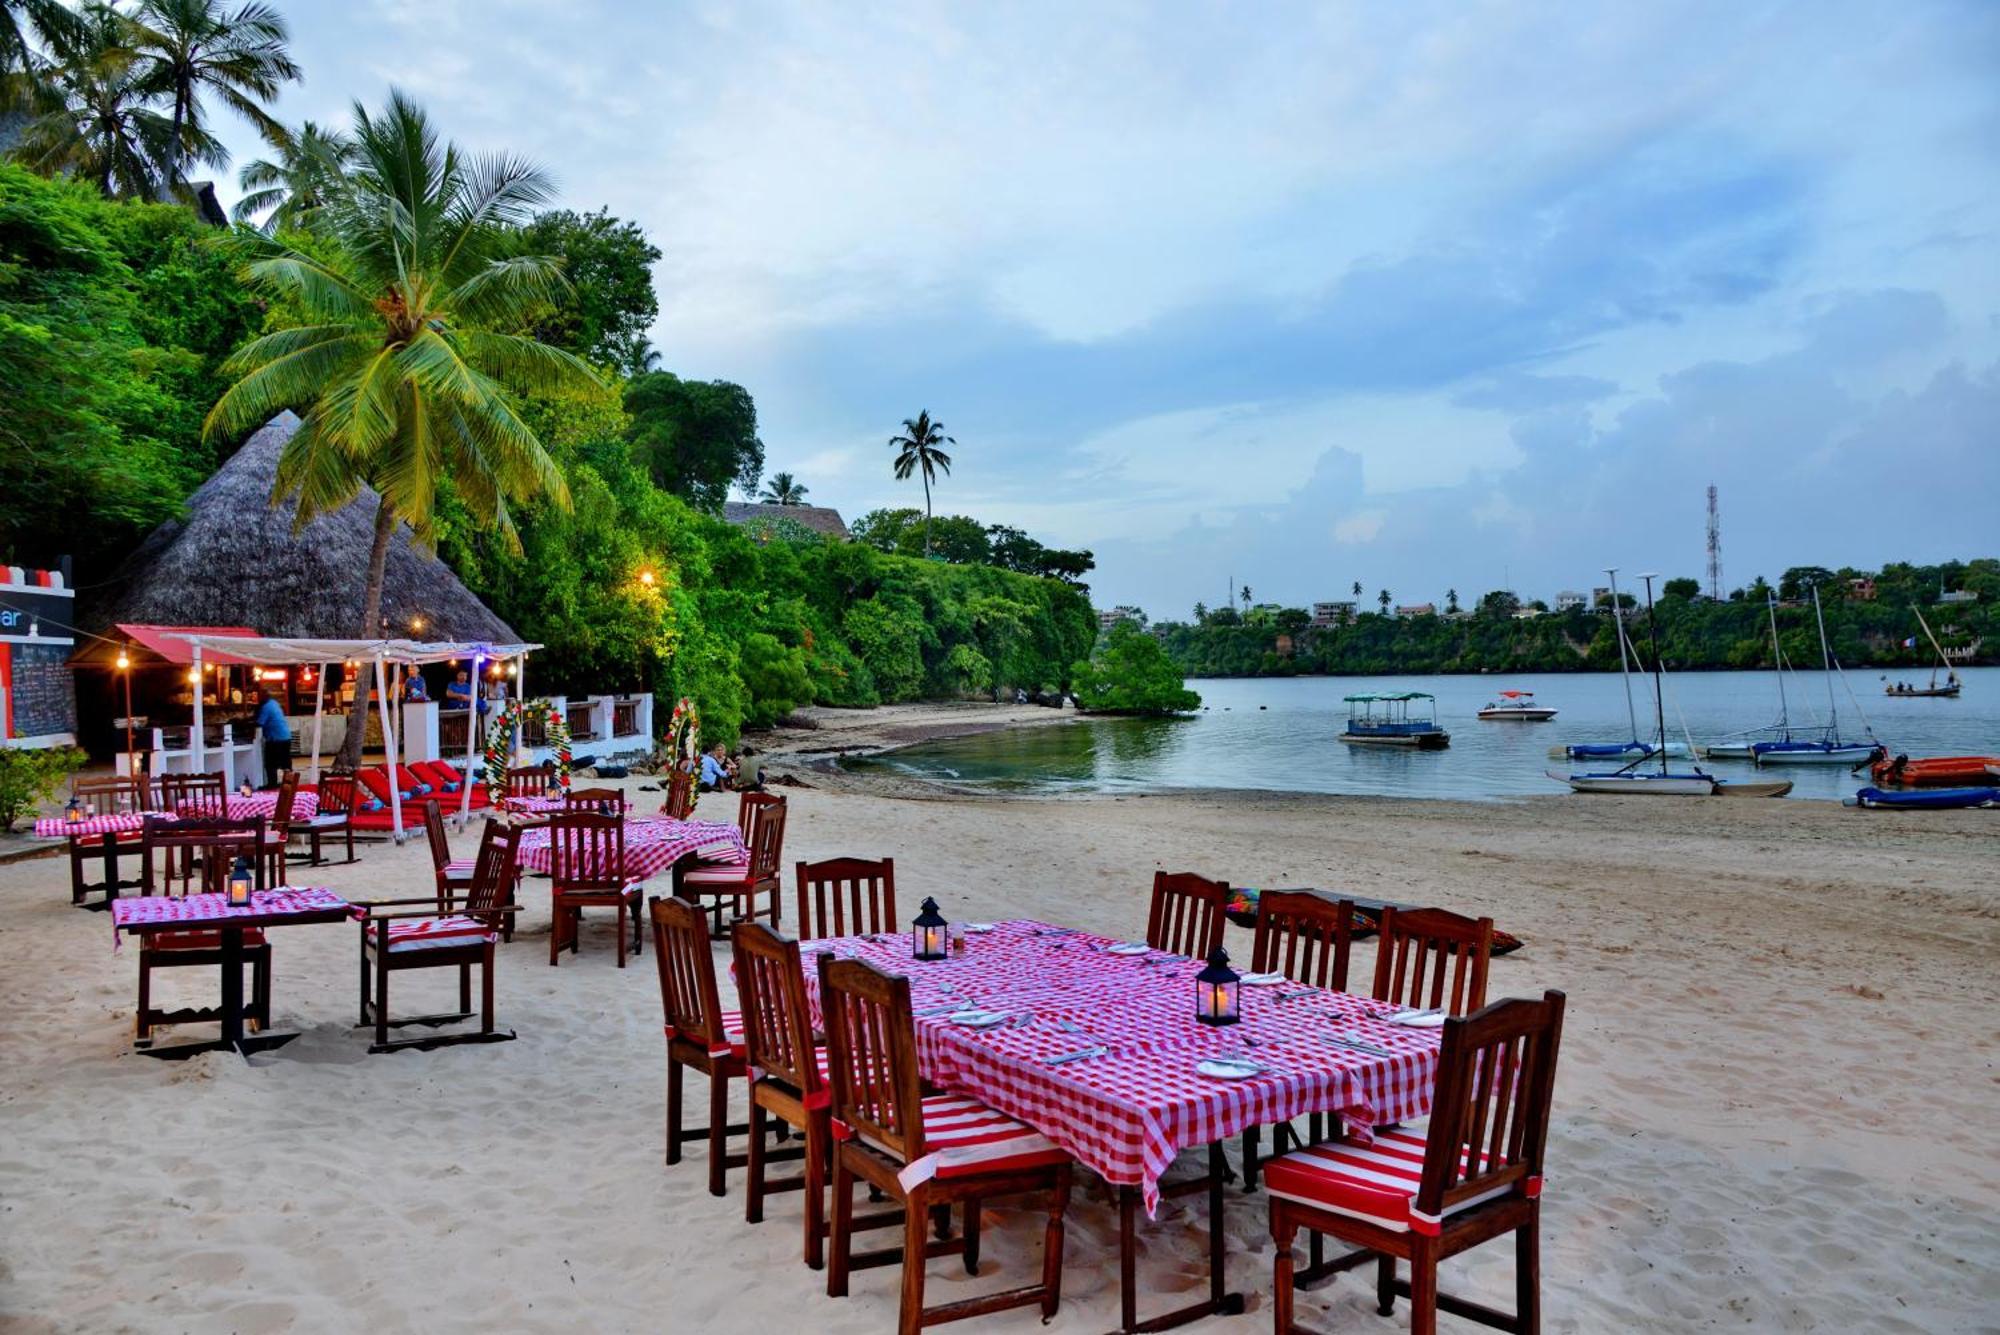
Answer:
(239, 884)
(244, 787)
(73, 812)
(927, 933)
(1218, 998)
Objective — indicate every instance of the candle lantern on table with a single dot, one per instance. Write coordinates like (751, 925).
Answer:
(927, 933)
(239, 884)
(1217, 998)
(73, 812)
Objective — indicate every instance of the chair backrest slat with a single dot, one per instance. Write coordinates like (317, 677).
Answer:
(846, 897)
(688, 995)
(434, 831)
(125, 794)
(1433, 958)
(1305, 936)
(587, 851)
(218, 843)
(771, 991)
(529, 781)
(197, 796)
(766, 835)
(872, 1055)
(336, 794)
(494, 869)
(1490, 1117)
(608, 801)
(1187, 915)
(281, 811)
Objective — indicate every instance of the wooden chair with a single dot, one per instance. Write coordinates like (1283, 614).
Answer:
(739, 884)
(454, 875)
(278, 830)
(587, 869)
(752, 807)
(679, 804)
(1472, 1175)
(962, 1152)
(1187, 915)
(605, 801)
(109, 797)
(1308, 938)
(530, 781)
(195, 796)
(834, 894)
(435, 936)
(213, 846)
(335, 814)
(700, 1034)
(1418, 948)
(788, 1078)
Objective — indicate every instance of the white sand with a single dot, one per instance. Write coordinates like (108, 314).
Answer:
(1774, 1111)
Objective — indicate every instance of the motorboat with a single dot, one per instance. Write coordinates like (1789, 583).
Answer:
(1517, 706)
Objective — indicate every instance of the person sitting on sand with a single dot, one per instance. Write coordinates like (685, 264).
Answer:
(749, 772)
(714, 769)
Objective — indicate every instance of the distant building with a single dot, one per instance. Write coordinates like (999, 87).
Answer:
(1569, 600)
(1417, 610)
(1956, 597)
(1526, 613)
(1333, 614)
(1861, 589)
(1108, 617)
(1600, 599)
(755, 514)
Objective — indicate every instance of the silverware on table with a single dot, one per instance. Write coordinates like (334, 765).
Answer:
(1081, 1054)
(1357, 1045)
(1301, 992)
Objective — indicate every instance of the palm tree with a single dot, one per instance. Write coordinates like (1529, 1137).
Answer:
(1383, 599)
(1451, 600)
(783, 489)
(1245, 596)
(186, 47)
(1357, 590)
(918, 449)
(400, 376)
(311, 167)
(100, 125)
(33, 34)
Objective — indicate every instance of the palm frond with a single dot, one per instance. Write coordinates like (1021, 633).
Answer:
(286, 377)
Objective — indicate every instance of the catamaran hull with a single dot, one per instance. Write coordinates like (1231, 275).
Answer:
(1422, 741)
(1930, 799)
(1640, 785)
(1730, 751)
(1517, 715)
(1813, 753)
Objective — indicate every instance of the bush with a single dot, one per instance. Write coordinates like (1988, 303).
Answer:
(29, 776)
(1131, 674)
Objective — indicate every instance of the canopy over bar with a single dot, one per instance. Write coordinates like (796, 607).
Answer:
(260, 650)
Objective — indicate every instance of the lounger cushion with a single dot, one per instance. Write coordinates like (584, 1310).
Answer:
(406, 934)
(967, 1138)
(374, 781)
(1377, 1182)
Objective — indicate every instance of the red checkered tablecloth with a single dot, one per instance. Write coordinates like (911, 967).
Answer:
(538, 806)
(128, 911)
(652, 845)
(1127, 1115)
(304, 805)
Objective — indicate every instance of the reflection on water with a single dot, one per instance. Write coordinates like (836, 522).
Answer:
(1279, 734)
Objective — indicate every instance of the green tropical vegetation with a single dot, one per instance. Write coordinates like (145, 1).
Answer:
(1131, 674)
(1866, 624)
(29, 777)
(963, 540)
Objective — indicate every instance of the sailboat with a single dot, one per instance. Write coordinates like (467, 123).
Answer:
(1743, 745)
(1951, 687)
(1633, 749)
(1831, 748)
(1667, 782)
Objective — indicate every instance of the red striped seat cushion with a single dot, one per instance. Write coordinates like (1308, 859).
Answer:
(434, 933)
(719, 874)
(200, 940)
(458, 869)
(1375, 1182)
(965, 1138)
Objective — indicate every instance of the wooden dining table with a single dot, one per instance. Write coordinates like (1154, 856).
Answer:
(1100, 1053)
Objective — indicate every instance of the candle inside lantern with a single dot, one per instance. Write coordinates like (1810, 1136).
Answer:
(73, 812)
(1217, 998)
(239, 885)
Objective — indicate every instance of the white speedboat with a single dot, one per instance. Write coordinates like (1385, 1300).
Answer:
(1518, 707)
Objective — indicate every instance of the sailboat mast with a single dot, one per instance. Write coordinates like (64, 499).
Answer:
(1826, 665)
(1624, 664)
(1778, 663)
(1950, 673)
(1659, 683)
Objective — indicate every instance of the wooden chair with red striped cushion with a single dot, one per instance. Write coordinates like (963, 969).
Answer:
(1433, 959)
(1187, 914)
(1308, 938)
(209, 848)
(108, 797)
(454, 875)
(846, 897)
(700, 1034)
(924, 1153)
(1472, 1175)
(587, 870)
(337, 796)
(397, 936)
(737, 886)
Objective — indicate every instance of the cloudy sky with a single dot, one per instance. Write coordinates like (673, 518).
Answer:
(1423, 296)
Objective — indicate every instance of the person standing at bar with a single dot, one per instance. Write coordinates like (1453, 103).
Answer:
(277, 732)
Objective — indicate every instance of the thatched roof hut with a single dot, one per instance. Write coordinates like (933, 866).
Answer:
(819, 518)
(235, 561)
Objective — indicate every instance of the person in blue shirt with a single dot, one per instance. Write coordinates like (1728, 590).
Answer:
(277, 731)
(714, 769)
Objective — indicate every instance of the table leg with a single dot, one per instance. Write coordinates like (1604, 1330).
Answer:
(232, 987)
(110, 868)
(1219, 1302)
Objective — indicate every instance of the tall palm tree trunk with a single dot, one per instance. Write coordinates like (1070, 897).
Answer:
(371, 623)
(927, 512)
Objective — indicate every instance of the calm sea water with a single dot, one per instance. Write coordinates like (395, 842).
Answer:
(1278, 733)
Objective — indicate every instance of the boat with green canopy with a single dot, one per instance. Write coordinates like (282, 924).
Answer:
(1387, 718)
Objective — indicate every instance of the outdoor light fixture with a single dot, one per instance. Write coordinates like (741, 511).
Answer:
(239, 884)
(1217, 995)
(417, 625)
(646, 578)
(927, 933)
(73, 812)
(123, 661)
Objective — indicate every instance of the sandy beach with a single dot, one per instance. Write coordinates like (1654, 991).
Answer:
(1774, 1111)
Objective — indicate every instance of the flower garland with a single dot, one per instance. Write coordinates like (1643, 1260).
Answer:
(684, 743)
(500, 737)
